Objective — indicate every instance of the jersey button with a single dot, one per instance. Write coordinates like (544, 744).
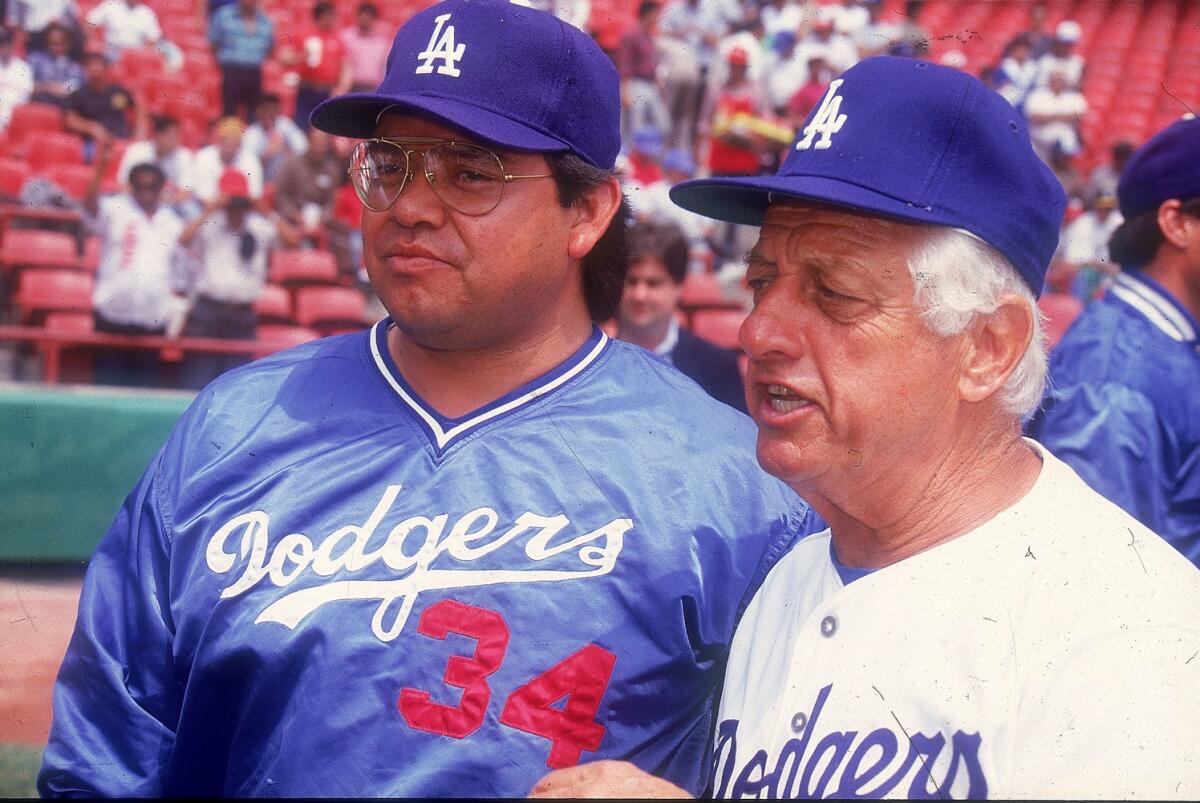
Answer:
(828, 626)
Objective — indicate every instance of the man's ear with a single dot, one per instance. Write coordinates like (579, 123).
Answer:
(593, 212)
(995, 344)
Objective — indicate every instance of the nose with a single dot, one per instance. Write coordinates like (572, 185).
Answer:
(418, 205)
(772, 329)
(636, 291)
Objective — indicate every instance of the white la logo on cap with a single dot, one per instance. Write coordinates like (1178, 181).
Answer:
(826, 122)
(441, 46)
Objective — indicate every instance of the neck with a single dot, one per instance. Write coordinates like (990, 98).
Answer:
(907, 512)
(1171, 271)
(648, 337)
(456, 381)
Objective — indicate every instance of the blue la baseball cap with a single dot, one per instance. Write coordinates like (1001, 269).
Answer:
(1166, 167)
(913, 141)
(509, 75)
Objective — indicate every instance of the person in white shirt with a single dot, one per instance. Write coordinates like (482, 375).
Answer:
(273, 137)
(228, 150)
(138, 233)
(16, 79)
(1062, 57)
(1054, 113)
(230, 244)
(162, 149)
(1021, 69)
(126, 24)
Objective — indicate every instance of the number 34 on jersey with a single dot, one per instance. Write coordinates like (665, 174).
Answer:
(582, 678)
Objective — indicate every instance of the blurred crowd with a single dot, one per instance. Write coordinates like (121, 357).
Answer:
(708, 87)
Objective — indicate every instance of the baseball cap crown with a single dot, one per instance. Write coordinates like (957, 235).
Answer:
(914, 141)
(1166, 167)
(509, 75)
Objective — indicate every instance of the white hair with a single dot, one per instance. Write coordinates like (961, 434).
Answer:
(958, 276)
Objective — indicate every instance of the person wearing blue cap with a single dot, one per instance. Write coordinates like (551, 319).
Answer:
(1124, 404)
(977, 622)
(477, 541)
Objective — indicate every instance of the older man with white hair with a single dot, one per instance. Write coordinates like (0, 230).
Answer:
(976, 622)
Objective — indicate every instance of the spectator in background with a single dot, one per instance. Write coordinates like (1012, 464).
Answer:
(648, 315)
(907, 38)
(642, 103)
(321, 63)
(872, 38)
(36, 16)
(56, 74)
(689, 29)
(16, 78)
(851, 16)
(227, 150)
(644, 167)
(745, 35)
(809, 95)
(367, 44)
(242, 37)
(732, 146)
(1124, 409)
(1055, 112)
(1084, 247)
(305, 188)
(230, 244)
(1021, 69)
(165, 150)
(653, 201)
(138, 234)
(273, 137)
(839, 51)
(126, 24)
(1062, 58)
(781, 16)
(786, 71)
(1103, 180)
(100, 110)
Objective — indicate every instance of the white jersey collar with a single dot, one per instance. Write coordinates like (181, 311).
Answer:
(444, 432)
(1156, 305)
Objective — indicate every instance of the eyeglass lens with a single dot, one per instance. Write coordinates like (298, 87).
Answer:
(467, 178)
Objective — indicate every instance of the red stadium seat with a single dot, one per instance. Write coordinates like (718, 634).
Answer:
(34, 248)
(90, 261)
(13, 174)
(701, 289)
(300, 266)
(331, 309)
(274, 305)
(54, 147)
(719, 326)
(276, 336)
(52, 290)
(32, 118)
(76, 323)
(73, 179)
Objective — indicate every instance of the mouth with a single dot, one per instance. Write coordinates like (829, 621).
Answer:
(778, 402)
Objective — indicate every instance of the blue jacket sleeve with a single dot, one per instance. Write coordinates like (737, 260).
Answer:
(1114, 440)
(116, 700)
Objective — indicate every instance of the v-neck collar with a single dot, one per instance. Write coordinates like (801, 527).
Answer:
(444, 432)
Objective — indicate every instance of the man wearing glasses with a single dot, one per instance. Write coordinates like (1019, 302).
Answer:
(476, 542)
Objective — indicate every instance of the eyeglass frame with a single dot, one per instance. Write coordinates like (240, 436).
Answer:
(400, 142)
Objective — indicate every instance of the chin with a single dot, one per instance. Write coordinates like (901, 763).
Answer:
(782, 458)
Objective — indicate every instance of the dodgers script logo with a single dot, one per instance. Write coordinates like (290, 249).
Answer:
(827, 121)
(840, 764)
(244, 539)
(441, 46)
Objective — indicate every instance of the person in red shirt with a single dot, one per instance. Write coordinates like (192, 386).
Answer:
(321, 62)
(732, 148)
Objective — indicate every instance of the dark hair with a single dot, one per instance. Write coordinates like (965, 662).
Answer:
(662, 240)
(268, 97)
(370, 8)
(163, 122)
(95, 55)
(1135, 243)
(605, 266)
(147, 167)
(646, 7)
(321, 9)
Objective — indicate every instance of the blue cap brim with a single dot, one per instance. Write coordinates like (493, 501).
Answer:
(744, 200)
(356, 114)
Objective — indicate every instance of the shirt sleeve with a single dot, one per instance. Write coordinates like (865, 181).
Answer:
(1113, 438)
(116, 701)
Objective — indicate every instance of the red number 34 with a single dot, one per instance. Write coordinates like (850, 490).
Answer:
(581, 677)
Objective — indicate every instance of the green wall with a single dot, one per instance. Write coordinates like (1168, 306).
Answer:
(68, 457)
